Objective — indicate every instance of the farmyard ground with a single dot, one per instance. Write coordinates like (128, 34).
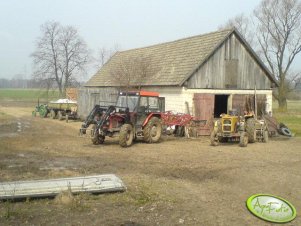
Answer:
(176, 182)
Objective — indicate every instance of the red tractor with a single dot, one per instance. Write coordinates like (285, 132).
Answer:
(137, 114)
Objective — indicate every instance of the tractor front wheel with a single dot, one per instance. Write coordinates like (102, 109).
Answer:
(95, 137)
(243, 140)
(265, 138)
(213, 138)
(126, 135)
(152, 131)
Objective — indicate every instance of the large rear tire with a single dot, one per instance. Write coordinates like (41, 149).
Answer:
(251, 130)
(152, 131)
(126, 135)
(43, 111)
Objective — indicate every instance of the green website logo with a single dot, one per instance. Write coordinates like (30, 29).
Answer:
(271, 208)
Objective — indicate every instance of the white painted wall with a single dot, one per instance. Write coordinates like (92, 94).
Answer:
(177, 97)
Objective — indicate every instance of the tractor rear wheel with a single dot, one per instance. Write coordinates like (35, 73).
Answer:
(251, 130)
(152, 131)
(214, 139)
(95, 137)
(243, 140)
(126, 135)
(43, 111)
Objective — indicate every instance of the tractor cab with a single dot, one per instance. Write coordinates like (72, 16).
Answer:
(140, 105)
(139, 101)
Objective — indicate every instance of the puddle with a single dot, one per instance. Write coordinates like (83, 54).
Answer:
(15, 166)
(12, 129)
(53, 168)
(61, 164)
(8, 130)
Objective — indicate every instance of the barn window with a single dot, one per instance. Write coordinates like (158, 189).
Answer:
(95, 98)
(231, 73)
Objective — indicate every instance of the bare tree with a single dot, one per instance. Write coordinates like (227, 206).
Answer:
(279, 37)
(130, 72)
(74, 53)
(46, 56)
(60, 54)
(105, 54)
(244, 25)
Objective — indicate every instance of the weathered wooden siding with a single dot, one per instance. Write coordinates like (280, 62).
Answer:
(212, 74)
(88, 97)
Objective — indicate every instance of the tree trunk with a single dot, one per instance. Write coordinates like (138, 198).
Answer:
(61, 94)
(282, 103)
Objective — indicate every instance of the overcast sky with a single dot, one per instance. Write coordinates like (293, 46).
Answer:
(127, 23)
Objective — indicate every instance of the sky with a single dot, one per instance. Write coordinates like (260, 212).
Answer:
(107, 23)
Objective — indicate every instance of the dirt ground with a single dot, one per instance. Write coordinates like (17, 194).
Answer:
(178, 181)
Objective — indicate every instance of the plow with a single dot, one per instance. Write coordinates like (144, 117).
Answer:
(170, 118)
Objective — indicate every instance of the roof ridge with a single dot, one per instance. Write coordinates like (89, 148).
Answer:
(177, 40)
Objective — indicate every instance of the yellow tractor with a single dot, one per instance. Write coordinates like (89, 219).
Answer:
(244, 129)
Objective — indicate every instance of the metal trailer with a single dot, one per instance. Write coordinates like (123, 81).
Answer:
(63, 109)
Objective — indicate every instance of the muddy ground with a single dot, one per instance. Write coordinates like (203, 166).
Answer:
(175, 182)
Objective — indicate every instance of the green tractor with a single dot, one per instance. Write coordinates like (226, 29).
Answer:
(244, 129)
(41, 109)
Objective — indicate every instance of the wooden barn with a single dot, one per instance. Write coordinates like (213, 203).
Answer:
(204, 75)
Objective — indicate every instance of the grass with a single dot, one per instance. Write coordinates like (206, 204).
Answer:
(291, 118)
(4, 117)
(27, 94)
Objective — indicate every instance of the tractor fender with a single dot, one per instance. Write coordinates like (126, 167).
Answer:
(149, 117)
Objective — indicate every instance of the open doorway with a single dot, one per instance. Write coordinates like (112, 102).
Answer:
(220, 105)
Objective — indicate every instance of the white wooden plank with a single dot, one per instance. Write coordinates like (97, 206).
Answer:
(47, 188)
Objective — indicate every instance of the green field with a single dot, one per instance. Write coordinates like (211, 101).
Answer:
(291, 118)
(28, 94)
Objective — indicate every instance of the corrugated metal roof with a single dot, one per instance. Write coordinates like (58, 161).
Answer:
(172, 62)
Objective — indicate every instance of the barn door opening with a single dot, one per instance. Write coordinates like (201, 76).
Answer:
(220, 105)
(203, 111)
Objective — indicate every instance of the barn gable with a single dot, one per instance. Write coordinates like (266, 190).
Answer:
(233, 65)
